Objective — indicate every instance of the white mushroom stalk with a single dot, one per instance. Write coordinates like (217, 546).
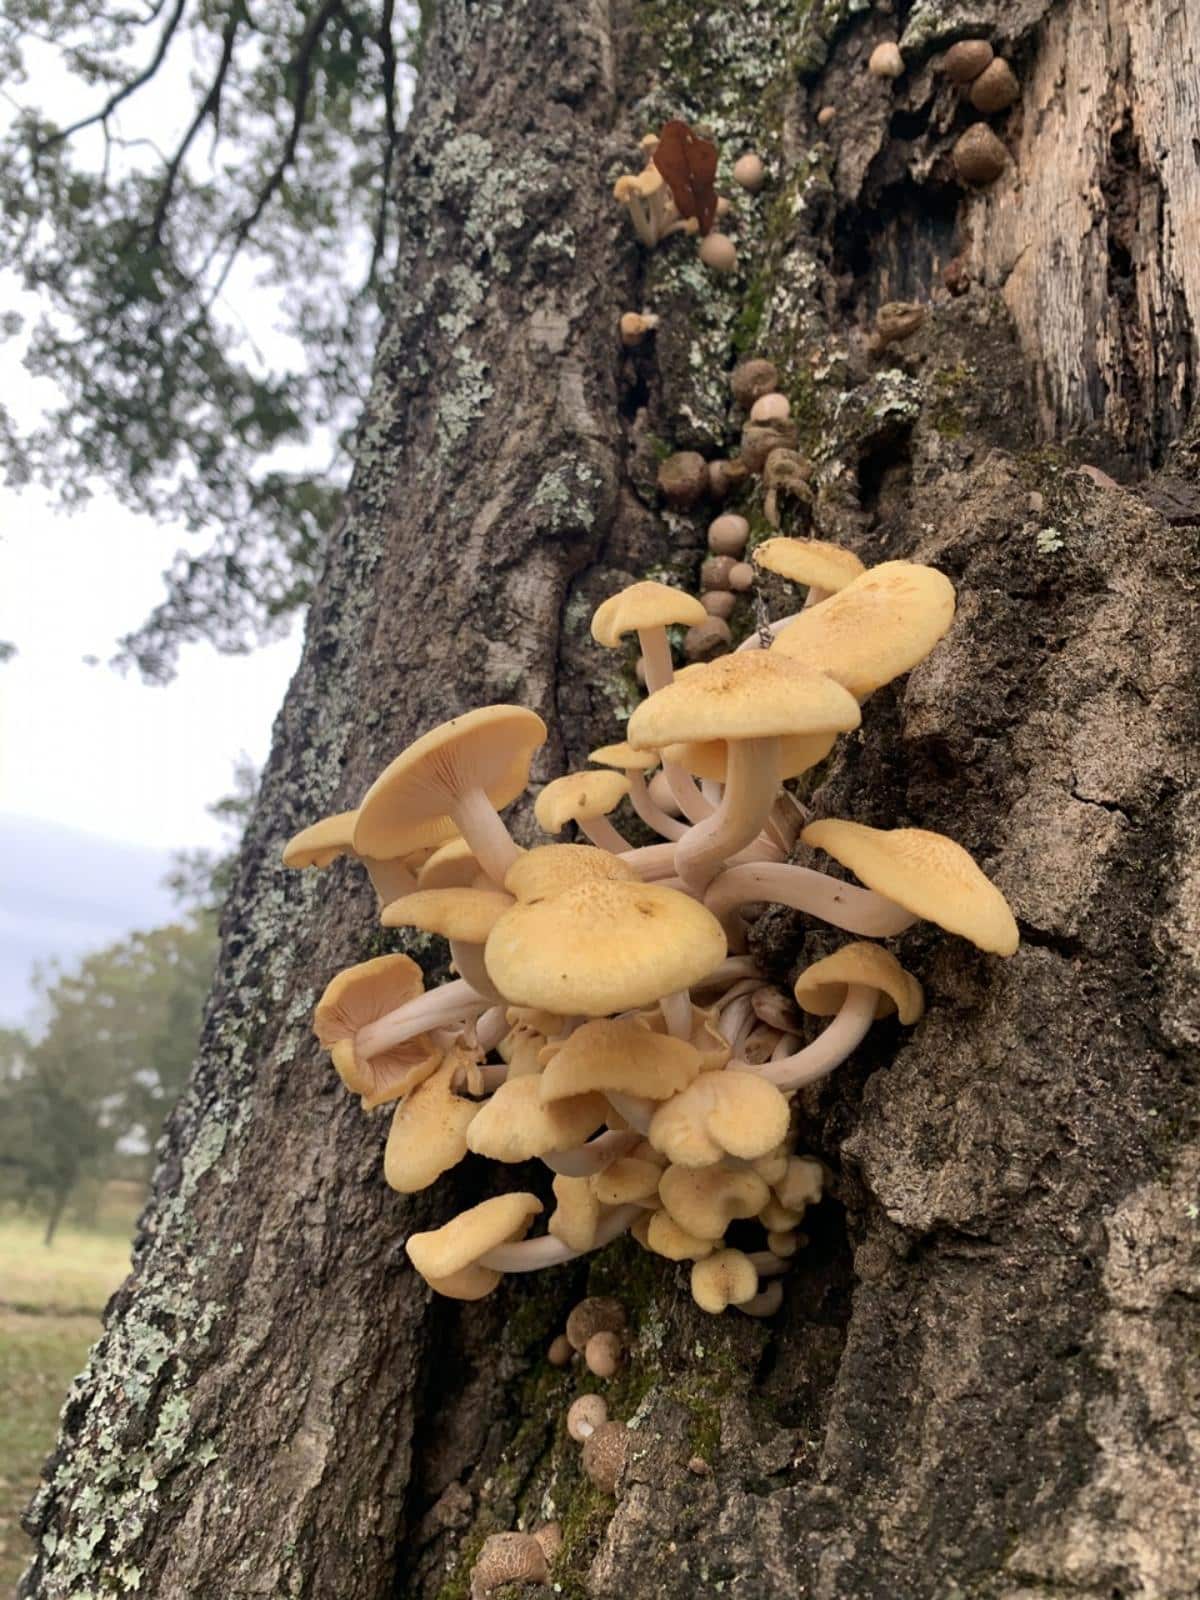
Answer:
(817, 1060)
(592, 1157)
(453, 1002)
(750, 788)
(468, 959)
(484, 829)
(653, 816)
(843, 905)
(531, 1255)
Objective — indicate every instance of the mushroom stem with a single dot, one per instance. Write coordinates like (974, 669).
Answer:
(603, 835)
(817, 1060)
(529, 1255)
(653, 862)
(731, 970)
(390, 879)
(677, 1013)
(733, 1017)
(656, 658)
(814, 596)
(592, 1157)
(468, 958)
(753, 641)
(653, 816)
(844, 905)
(491, 1027)
(452, 1002)
(483, 828)
(711, 792)
(751, 783)
(637, 1112)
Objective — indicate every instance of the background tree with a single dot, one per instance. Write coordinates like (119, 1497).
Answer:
(982, 1381)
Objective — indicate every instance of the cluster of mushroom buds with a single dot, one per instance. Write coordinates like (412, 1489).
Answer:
(675, 193)
(607, 1020)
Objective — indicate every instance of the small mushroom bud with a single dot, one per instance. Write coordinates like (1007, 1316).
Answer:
(596, 1314)
(783, 1241)
(559, 1353)
(752, 379)
(635, 325)
(550, 1537)
(724, 476)
(602, 1353)
(699, 1468)
(995, 88)
(718, 252)
(727, 535)
(979, 157)
(885, 61)
(825, 116)
(964, 61)
(718, 603)
(707, 639)
(771, 408)
(724, 207)
(741, 577)
(898, 319)
(749, 171)
(683, 479)
(760, 438)
(508, 1558)
(956, 277)
(585, 1415)
(714, 574)
(604, 1453)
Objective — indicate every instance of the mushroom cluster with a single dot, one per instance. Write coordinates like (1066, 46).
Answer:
(675, 193)
(607, 1020)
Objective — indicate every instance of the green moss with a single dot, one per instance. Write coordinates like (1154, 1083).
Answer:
(458, 1585)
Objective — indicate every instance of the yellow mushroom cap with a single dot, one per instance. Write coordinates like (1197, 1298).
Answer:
(706, 1037)
(625, 1181)
(798, 753)
(624, 757)
(389, 1075)
(876, 628)
(924, 872)
(645, 183)
(619, 1055)
(451, 866)
(428, 1134)
(703, 1201)
(821, 988)
(514, 1125)
(603, 946)
(644, 605)
(409, 803)
(666, 1238)
(579, 797)
(551, 869)
(721, 1113)
(752, 694)
(814, 562)
(726, 1278)
(363, 994)
(801, 1185)
(322, 842)
(577, 1214)
(466, 914)
(446, 1256)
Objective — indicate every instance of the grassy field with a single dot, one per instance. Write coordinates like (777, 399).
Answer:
(50, 1304)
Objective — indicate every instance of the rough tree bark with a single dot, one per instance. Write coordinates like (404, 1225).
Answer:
(983, 1381)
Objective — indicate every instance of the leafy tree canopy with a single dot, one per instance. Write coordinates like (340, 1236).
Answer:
(157, 155)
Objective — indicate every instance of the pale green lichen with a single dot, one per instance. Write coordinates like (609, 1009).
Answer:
(565, 497)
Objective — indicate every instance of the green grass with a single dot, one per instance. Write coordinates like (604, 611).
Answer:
(50, 1304)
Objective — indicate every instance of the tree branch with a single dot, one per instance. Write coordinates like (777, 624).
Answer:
(387, 49)
(210, 106)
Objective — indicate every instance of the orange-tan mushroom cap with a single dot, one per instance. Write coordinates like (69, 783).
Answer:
(579, 797)
(322, 842)
(924, 872)
(814, 562)
(515, 1124)
(721, 1113)
(703, 1201)
(821, 989)
(428, 1134)
(752, 694)
(466, 914)
(644, 605)
(666, 1238)
(603, 946)
(409, 803)
(875, 629)
(725, 1278)
(624, 757)
(451, 866)
(362, 994)
(551, 869)
(621, 1056)
(629, 1180)
(446, 1257)
(797, 753)
(576, 1217)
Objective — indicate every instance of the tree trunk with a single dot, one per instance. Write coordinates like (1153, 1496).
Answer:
(983, 1380)
(58, 1205)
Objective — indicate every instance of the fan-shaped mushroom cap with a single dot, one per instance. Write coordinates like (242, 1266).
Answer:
(821, 988)
(603, 946)
(466, 914)
(814, 562)
(876, 628)
(624, 757)
(626, 1181)
(451, 866)
(619, 1055)
(752, 694)
(446, 1257)
(725, 1278)
(924, 872)
(643, 605)
(549, 870)
(706, 1037)
(579, 797)
(410, 802)
(514, 1125)
(577, 1214)
(362, 994)
(797, 753)
(802, 1184)
(666, 1238)
(703, 1201)
(722, 1113)
(322, 842)
(428, 1135)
